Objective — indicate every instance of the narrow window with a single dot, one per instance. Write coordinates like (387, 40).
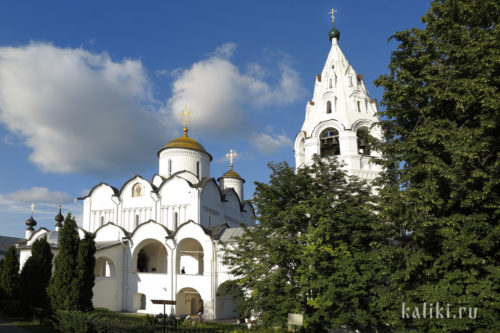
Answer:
(350, 81)
(335, 79)
(176, 218)
(169, 168)
(136, 221)
(102, 220)
(198, 170)
(328, 107)
(330, 84)
(359, 106)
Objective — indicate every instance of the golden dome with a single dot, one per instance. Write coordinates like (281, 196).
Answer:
(232, 174)
(185, 142)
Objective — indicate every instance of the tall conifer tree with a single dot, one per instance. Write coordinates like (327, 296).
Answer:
(35, 275)
(10, 274)
(442, 193)
(61, 290)
(84, 279)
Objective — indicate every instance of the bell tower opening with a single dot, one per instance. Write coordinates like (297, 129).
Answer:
(329, 142)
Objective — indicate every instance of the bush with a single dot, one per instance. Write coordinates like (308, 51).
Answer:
(71, 321)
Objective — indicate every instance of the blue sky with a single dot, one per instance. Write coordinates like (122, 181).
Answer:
(91, 90)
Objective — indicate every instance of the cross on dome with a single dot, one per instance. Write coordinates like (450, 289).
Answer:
(231, 156)
(332, 13)
(32, 208)
(185, 114)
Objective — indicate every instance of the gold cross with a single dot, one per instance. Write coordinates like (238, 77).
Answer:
(185, 114)
(332, 13)
(231, 155)
(32, 208)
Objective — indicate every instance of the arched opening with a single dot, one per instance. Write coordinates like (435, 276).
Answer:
(189, 257)
(188, 302)
(362, 135)
(329, 142)
(226, 302)
(104, 267)
(151, 257)
(139, 301)
(328, 107)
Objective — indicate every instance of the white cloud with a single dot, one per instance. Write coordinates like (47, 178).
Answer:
(221, 95)
(79, 111)
(268, 144)
(38, 195)
(224, 51)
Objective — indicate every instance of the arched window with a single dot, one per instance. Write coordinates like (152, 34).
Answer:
(137, 190)
(169, 167)
(329, 142)
(198, 170)
(328, 107)
(363, 143)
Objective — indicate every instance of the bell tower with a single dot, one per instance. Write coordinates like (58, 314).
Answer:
(340, 117)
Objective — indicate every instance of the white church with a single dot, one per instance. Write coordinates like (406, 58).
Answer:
(162, 239)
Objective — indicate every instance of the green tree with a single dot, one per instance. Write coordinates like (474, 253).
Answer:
(61, 291)
(10, 273)
(35, 275)
(442, 150)
(313, 251)
(1, 270)
(84, 280)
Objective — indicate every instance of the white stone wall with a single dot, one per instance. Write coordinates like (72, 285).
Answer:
(184, 160)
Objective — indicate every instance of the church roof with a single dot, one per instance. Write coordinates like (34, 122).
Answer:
(231, 234)
(232, 174)
(185, 142)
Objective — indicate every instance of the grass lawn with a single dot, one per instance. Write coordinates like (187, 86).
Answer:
(29, 325)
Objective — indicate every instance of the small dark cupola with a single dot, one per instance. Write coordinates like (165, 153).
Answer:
(59, 219)
(31, 223)
(334, 33)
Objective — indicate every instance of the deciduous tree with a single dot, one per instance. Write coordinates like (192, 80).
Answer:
(442, 150)
(314, 250)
